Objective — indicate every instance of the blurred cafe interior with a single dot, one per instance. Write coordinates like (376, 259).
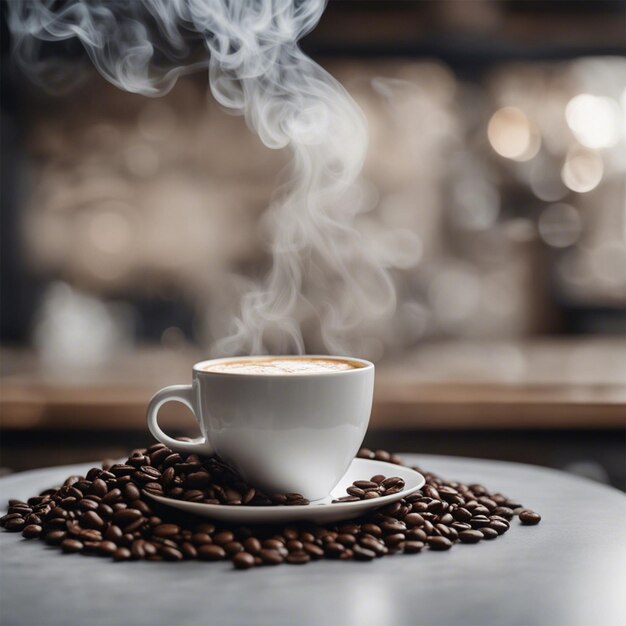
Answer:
(495, 176)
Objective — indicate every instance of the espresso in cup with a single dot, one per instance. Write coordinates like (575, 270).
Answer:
(285, 423)
(282, 367)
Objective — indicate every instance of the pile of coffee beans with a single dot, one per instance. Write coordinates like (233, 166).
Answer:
(195, 479)
(375, 487)
(108, 513)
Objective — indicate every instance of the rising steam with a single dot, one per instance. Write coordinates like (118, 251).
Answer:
(322, 273)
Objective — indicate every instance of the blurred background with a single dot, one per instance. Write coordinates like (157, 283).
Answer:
(497, 136)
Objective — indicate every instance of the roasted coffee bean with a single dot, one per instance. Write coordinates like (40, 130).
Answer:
(151, 471)
(171, 554)
(115, 495)
(430, 491)
(488, 503)
(122, 554)
(210, 552)
(158, 456)
(488, 533)
(461, 515)
(528, 517)
(131, 493)
(92, 520)
(439, 543)
(55, 537)
(88, 505)
(113, 533)
(32, 531)
(271, 557)
(293, 545)
(6, 518)
(480, 510)
(446, 519)
(363, 554)
(333, 549)
(314, 550)
(124, 517)
(199, 539)
(413, 520)
(172, 459)
(89, 534)
(415, 534)
(197, 480)
(243, 560)
(412, 547)
(498, 526)
(232, 547)
(166, 530)
(470, 536)
(71, 545)
(504, 511)
(272, 544)
(391, 482)
(394, 540)
(136, 525)
(429, 528)
(168, 476)
(346, 539)
(252, 545)
(107, 548)
(99, 487)
(105, 511)
(378, 478)
(393, 527)
(122, 470)
(15, 524)
(297, 558)
(435, 506)
(188, 550)
(372, 544)
(479, 521)
(365, 485)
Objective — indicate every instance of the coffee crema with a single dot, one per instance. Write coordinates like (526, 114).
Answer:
(283, 366)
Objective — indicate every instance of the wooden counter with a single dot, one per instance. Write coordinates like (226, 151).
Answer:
(541, 383)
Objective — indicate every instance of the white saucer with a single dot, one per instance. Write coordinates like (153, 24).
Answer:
(321, 511)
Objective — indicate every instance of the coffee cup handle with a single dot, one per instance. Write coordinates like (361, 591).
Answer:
(184, 395)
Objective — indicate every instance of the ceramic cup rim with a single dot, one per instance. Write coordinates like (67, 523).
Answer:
(198, 368)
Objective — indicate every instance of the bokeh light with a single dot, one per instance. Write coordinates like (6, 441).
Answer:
(512, 135)
(594, 120)
(583, 170)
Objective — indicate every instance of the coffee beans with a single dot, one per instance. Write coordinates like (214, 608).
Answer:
(106, 513)
(208, 552)
(470, 536)
(376, 487)
(529, 517)
(71, 545)
(243, 560)
(439, 543)
(32, 531)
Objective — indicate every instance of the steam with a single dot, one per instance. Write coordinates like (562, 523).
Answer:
(323, 274)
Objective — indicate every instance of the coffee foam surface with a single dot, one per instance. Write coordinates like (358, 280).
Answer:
(278, 367)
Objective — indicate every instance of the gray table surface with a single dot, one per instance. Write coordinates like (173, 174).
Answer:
(568, 571)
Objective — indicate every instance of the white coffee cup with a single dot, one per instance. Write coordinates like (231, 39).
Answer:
(290, 433)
